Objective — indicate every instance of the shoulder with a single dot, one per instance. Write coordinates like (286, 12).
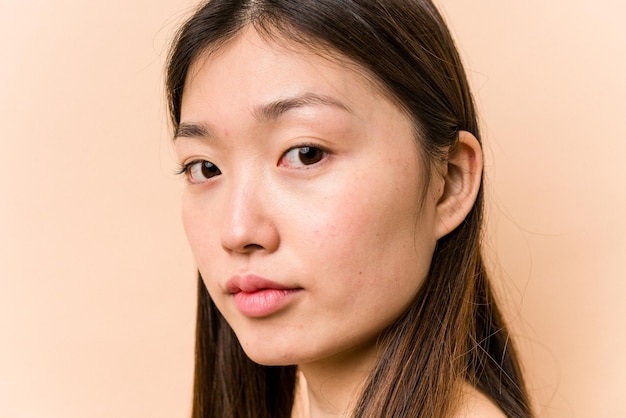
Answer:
(475, 404)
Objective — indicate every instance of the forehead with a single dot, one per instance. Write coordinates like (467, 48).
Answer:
(260, 52)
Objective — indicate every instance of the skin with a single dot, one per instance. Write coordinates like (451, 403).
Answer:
(351, 231)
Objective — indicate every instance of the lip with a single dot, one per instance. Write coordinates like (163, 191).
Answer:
(257, 297)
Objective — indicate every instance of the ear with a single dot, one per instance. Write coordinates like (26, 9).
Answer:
(462, 176)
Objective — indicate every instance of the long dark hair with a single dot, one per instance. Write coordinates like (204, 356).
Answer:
(453, 331)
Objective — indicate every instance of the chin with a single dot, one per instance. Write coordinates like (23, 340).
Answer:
(272, 354)
(270, 359)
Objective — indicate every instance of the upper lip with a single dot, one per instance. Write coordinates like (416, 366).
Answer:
(249, 283)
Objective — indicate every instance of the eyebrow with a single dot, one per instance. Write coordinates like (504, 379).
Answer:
(193, 130)
(268, 112)
(272, 111)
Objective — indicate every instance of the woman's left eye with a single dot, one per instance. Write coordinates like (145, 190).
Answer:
(302, 156)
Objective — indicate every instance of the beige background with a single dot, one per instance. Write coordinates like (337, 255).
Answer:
(96, 280)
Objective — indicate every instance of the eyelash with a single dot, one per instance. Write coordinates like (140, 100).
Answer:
(184, 168)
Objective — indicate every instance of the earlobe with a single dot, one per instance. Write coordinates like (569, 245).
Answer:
(462, 180)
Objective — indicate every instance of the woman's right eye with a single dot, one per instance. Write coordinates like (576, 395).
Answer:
(199, 171)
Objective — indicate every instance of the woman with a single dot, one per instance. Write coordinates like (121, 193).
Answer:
(334, 209)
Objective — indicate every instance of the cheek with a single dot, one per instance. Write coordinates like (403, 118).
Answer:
(200, 229)
(402, 225)
(368, 234)
(190, 222)
(340, 225)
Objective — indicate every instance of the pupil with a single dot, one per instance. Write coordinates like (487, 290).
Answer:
(209, 169)
(310, 155)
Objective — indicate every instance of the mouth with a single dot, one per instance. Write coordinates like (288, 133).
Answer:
(257, 297)
(251, 283)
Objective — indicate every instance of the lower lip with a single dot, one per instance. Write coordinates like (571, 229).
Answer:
(263, 302)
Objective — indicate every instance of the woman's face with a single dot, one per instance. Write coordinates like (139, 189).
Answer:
(304, 210)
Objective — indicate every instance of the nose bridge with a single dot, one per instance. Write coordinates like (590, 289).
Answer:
(248, 222)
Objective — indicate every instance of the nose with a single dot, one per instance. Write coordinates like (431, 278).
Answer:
(249, 224)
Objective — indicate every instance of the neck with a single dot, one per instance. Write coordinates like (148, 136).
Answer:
(334, 385)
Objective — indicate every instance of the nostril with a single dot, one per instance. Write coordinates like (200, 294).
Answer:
(245, 249)
(253, 247)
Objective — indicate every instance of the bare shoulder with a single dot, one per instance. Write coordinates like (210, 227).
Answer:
(475, 404)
